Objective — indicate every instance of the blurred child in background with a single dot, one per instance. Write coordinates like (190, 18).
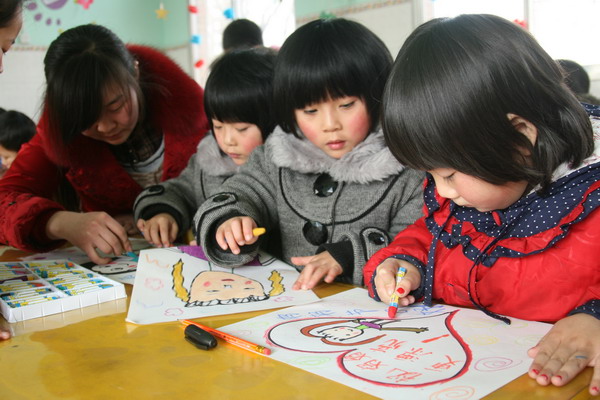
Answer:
(16, 129)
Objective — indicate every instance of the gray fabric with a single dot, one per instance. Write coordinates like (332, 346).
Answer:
(207, 169)
(376, 195)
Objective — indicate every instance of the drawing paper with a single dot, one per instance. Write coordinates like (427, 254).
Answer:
(179, 283)
(439, 352)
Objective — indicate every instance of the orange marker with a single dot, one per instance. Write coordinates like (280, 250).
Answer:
(231, 339)
(258, 231)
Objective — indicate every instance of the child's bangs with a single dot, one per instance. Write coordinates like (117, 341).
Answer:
(232, 105)
(316, 85)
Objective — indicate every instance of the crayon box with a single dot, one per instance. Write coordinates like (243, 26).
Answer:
(39, 288)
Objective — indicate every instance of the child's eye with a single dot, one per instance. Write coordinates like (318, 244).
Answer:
(244, 129)
(449, 178)
(216, 127)
(309, 111)
(348, 105)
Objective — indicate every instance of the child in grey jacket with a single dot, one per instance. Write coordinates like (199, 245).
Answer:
(237, 101)
(324, 181)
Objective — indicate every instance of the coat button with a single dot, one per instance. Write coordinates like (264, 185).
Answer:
(156, 189)
(219, 198)
(315, 233)
(376, 238)
(324, 185)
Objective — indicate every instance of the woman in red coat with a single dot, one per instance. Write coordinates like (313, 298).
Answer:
(11, 20)
(116, 119)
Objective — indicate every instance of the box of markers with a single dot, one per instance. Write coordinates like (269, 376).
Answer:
(39, 288)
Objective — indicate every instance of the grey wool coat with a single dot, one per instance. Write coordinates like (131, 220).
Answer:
(350, 206)
(207, 169)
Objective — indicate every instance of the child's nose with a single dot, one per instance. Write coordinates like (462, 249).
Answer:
(445, 190)
(331, 122)
(229, 137)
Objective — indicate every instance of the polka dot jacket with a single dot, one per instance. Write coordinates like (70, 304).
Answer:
(538, 259)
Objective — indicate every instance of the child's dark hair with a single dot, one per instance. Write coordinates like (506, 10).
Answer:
(16, 129)
(8, 10)
(576, 76)
(453, 84)
(80, 65)
(241, 33)
(239, 88)
(329, 58)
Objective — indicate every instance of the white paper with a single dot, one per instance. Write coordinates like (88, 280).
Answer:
(179, 283)
(424, 353)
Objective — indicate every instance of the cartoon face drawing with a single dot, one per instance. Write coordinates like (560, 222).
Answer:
(217, 287)
(341, 333)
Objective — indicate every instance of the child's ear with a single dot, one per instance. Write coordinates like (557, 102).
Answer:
(523, 126)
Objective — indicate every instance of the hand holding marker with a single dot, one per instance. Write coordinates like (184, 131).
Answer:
(393, 308)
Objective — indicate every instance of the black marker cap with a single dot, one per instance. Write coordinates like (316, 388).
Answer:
(199, 337)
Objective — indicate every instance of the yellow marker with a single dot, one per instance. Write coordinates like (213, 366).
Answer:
(258, 231)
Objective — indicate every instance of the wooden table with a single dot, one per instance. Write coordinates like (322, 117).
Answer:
(92, 353)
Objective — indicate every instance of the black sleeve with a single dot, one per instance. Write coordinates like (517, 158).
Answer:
(592, 308)
(343, 253)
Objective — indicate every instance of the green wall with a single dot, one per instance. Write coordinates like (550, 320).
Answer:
(134, 21)
(306, 8)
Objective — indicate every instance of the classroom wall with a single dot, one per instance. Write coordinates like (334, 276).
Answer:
(134, 21)
(391, 20)
(562, 28)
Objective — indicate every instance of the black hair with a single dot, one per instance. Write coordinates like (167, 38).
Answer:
(239, 88)
(453, 84)
(328, 59)
(80, 65)
(8, 10)
(241, 33)
(16, 129)
(575, 76)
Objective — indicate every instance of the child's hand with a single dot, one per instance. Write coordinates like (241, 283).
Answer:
(160, 230)
(5, 333)
(317, 267)
(236, 232)
(572, 344)
(385, 281)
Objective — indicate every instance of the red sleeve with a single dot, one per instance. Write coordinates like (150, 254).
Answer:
(414, 241)
(25, 193)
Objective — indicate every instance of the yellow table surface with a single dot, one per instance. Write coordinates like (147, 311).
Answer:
(92, 353)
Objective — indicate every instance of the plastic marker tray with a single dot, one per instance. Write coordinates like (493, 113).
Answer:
(39, 288)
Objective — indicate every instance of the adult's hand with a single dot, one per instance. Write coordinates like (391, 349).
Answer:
(90, 231)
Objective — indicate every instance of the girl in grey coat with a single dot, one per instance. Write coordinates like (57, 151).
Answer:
(324, 183)
(237, 101)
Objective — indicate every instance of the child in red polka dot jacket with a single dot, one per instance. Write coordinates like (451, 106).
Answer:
(511, 223)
